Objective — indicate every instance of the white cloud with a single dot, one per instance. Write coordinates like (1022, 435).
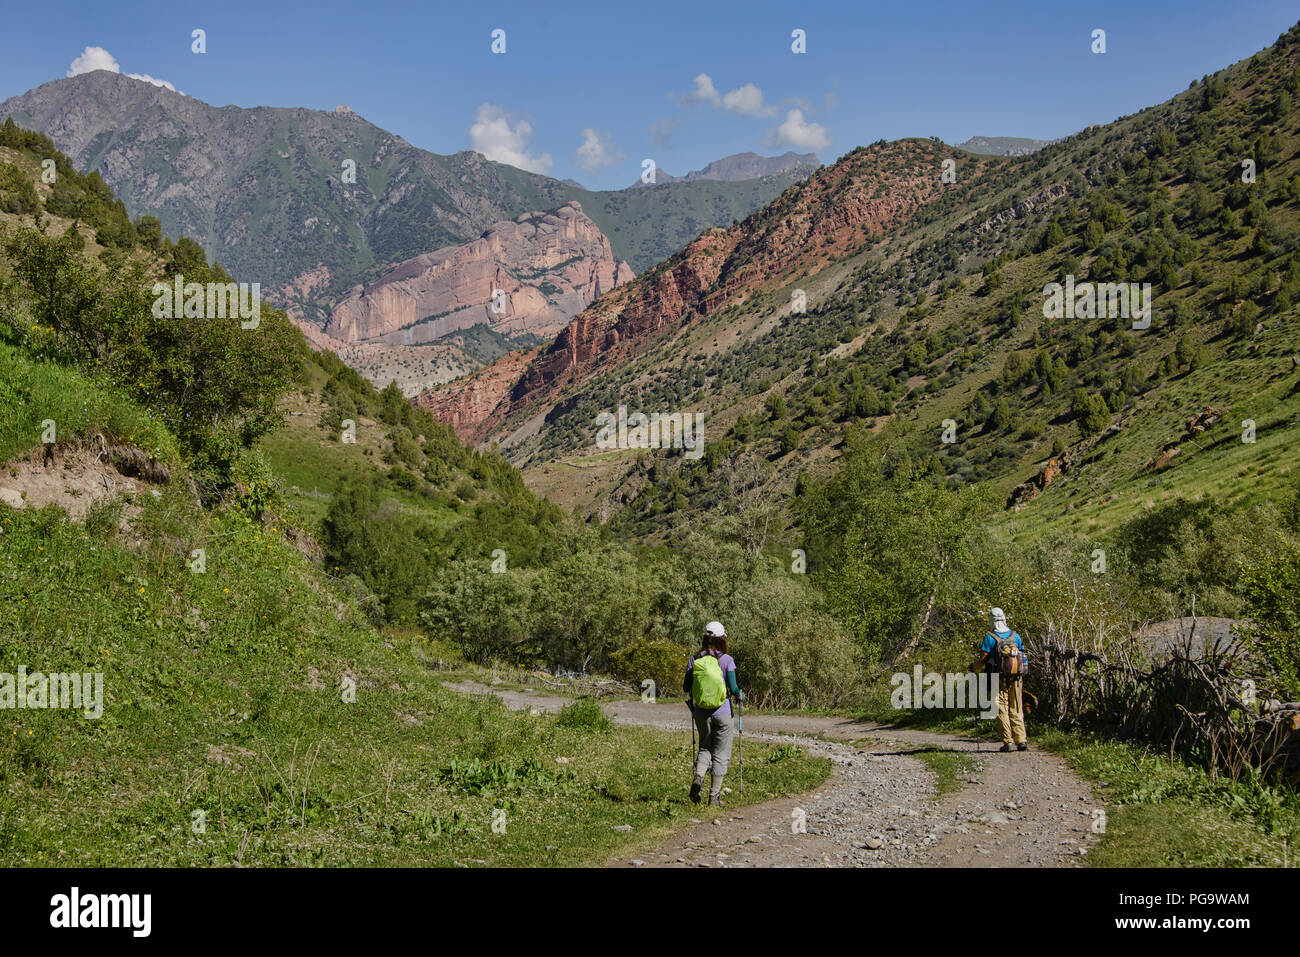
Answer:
(156, 82)
(798, 132)
(97, 58)
(704, 92)
(493, 135)
(596, 152)
(93, 58)
(747, 100)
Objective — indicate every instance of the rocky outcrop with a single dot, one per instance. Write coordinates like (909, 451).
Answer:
(1206, 418)
(1052, 469)
(542, 269)
(1166, 456)
(835, 212)
(414, 368)
(467, 404)
(1046, 196)
(838, 209)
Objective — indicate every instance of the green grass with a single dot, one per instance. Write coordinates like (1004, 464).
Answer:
(951, 768)
(1256, 384)
(32, 392)
(311, 466)
(1162, 813)
(224, 701)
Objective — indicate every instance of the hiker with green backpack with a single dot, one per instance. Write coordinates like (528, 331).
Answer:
(710, 675)
(1002, 653)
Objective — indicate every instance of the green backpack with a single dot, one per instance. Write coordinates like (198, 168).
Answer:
(708, 689)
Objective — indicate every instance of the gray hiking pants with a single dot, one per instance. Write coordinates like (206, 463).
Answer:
(715, 747)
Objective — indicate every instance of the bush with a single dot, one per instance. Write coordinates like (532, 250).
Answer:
(585, 715)
(1272, 591)
(214, 384)
(1090, 412)
(484, 612)
(799, 662)
(663, 662)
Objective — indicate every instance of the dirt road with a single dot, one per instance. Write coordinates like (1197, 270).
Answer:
(879, 807)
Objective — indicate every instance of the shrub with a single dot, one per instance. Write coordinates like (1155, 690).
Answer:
(584, 714)
(798, 662)
(1271, 590)
(663, 662)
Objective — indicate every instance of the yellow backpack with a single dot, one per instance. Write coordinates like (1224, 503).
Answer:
(1009, 659)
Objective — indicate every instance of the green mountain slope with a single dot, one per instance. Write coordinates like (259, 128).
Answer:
(943, 320)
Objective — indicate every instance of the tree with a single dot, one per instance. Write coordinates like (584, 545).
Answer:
(888, 550)
(1090, 412)
(1242, 324)
(213, 382)
(485, 612)
(187, 258)
(1187, 352)
(1272, 591)
(1053, 236)
(149, 231)
(1000, 418)
(775, 405)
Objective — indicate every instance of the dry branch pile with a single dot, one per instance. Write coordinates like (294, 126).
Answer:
(1198, 701)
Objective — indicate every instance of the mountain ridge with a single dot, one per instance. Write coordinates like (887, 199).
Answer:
(269, 191)
(838, 208)
(741, 166)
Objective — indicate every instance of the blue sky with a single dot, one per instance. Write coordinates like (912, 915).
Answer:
(623, 78)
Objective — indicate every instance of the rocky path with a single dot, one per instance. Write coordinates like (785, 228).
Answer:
(879, 807)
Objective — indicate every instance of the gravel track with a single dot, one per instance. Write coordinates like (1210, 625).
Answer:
(879, 807)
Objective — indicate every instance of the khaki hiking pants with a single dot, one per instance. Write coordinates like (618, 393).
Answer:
(715, 747)
(1011, 712)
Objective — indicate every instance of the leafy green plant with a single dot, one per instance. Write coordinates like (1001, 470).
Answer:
(585, 714)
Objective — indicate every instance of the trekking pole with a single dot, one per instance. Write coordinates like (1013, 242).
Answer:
(691, 719)
(740, 743)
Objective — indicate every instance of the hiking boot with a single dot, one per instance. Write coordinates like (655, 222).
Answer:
(715, 800)
(695, 789)
(1022, 746)
(1007, 747)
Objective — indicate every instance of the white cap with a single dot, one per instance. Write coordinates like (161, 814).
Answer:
(714, 629)
(998, 619)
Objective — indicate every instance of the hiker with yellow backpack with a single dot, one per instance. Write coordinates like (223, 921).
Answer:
(710, 675)
(1002, 653)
